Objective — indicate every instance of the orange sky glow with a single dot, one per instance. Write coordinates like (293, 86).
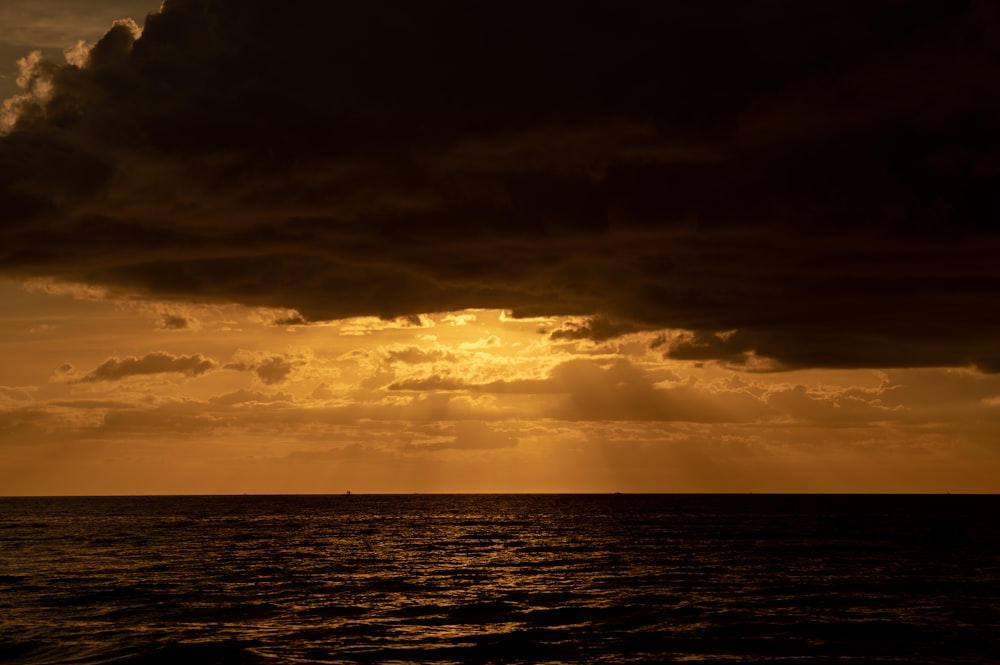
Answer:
(133, 397)
(404, 250)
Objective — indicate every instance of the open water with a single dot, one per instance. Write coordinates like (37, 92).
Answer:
(500, 579)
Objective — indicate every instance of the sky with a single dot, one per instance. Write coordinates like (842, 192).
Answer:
(433, 246)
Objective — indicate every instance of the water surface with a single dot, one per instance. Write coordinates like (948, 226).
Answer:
(500, 579)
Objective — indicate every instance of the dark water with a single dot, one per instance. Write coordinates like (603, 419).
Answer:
(500, 579)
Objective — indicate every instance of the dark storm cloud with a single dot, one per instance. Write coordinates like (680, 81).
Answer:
(159, 362)
(813, 182)
(598, 329)
(294, 320)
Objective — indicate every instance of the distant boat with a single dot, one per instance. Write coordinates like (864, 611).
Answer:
(348, 492)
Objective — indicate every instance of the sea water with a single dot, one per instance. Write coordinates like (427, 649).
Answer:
(500, 579)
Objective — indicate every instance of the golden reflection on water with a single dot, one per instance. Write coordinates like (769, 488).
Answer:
(484, 579)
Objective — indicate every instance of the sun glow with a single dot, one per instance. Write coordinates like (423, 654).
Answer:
(107, 395)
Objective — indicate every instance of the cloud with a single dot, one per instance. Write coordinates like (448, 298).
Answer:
(271, 369)
(243, 396)
(414, 355)
(646, 405)
(174, 322)
(160, 362)
(735, 348)
(12, 395)
(434, 382)
(322, 392)
(817, 179)
(841, 408)
(598, 329)
(458, 319)
(293, 320)
(90, 404)
(622, 391)
(590, 390)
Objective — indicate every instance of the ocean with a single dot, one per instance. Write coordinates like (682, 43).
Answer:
(500, 579)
